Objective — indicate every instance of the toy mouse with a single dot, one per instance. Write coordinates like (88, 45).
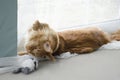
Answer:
(27, 64)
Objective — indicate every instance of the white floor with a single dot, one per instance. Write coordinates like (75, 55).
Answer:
(99, 65)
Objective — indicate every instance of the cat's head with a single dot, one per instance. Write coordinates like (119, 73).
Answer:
(41, 40)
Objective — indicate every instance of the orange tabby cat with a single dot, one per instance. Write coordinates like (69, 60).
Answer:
(43, 41)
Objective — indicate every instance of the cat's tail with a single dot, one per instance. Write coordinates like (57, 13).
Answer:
(115, 35)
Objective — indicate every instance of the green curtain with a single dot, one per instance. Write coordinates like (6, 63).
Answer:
(8, 28)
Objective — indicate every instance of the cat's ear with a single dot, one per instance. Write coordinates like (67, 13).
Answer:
(22, 53)
(47, 48)
(36, 25)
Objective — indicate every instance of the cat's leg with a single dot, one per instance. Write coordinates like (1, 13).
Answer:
(87, 50)
(82, 50)
(22, 53)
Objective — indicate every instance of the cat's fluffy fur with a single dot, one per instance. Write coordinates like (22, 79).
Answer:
(43, 41)
(116, 35)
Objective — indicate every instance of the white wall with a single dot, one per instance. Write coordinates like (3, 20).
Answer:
(61, 14)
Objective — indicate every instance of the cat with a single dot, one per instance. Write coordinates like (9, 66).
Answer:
(42, 41)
